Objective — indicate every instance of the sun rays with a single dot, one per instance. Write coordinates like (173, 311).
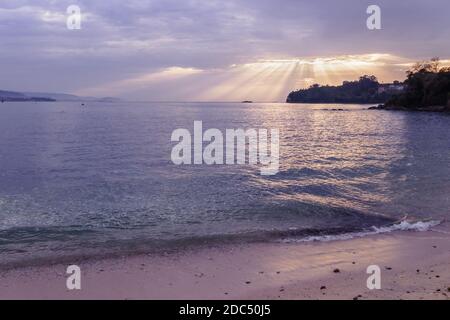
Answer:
(272, 80)
(268, 80)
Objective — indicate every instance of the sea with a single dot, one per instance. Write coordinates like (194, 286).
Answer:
(97, 180)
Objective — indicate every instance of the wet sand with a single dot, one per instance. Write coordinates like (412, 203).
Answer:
(414, 265)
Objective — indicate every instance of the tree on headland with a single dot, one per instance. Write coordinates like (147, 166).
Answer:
(433, 66)
(427, 85)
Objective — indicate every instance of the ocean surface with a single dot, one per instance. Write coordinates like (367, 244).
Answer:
(98, 179)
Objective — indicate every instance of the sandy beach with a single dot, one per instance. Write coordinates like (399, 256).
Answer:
(414, 265)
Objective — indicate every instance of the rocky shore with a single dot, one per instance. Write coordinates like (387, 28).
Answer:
(402, 108)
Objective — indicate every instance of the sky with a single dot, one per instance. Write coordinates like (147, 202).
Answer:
(208, 50)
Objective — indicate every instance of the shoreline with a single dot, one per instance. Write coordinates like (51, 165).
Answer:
(256, 271)
(217, 242)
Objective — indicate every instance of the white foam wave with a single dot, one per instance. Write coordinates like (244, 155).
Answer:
(402, 226)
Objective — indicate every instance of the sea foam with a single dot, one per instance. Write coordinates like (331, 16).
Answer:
(401, 226)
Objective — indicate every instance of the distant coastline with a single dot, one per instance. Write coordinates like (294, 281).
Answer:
(12, 96)
(15, 96)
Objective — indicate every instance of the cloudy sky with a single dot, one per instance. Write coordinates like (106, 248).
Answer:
(208, 50)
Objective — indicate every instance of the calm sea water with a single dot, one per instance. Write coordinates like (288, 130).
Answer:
(99, 180)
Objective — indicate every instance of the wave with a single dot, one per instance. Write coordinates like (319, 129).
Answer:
(420, 226)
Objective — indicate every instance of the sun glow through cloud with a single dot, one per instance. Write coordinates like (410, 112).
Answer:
(267, 80)
(141, 81)
(272, 80)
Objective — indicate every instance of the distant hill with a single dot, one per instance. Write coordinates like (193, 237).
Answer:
(43, 96)
(11, 94)
(365, 90)
(55, 96)
(18, 96)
